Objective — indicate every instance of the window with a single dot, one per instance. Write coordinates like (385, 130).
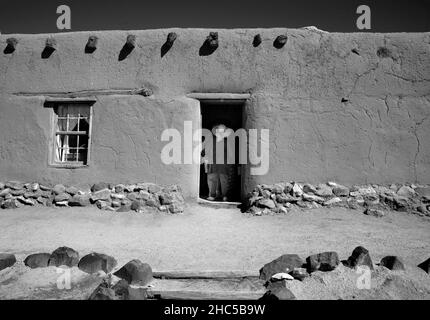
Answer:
(71, 141)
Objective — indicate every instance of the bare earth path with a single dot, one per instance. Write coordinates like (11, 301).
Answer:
(211, 239)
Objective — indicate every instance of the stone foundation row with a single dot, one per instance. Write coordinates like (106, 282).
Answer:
(139, 197)
(373, 199)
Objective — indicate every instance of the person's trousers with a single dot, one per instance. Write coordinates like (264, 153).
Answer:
(216, 181)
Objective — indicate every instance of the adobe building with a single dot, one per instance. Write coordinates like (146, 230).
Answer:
(79, 108)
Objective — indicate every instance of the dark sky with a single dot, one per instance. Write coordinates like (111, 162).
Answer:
(31, 16)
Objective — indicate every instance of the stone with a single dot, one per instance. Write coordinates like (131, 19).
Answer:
(374, 212)
(176, 208)
(340, 191)
(299, 274)
(118, 196)
(324, 190)
(425, 265)
(62, 197)
(137, 205)
(14, 185)
(62, 204)
(362, 191)
(4, 192)
(10, 204)
(277, 189)
(103, 194)
(406, 191)
(255, 211)
(311, 197)
(42, 201)
(99, 186)
(119, 188)
(34, 186)
(95, 262)
(59, 189)
(2, 185)
(325, 261)
(277, 291)
(423, 191)
(360, 257)
(284, 263)
(6, 260)
(153, 188)
(64, 256)
(288, 188)
(102, 292)
(266, 203)
(72, 190)
(37, 260)
(332, 201)
(392, 263)
(135, 272)
(79, 200)
(102, 205)
(144, 195)
(308, 188)
(115, 204)
(296, 190)
(45, 188)
(17, 193)
(29, 202)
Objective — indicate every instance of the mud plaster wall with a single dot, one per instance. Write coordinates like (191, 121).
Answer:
(381, 134)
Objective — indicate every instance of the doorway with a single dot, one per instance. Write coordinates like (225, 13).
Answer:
(229, 113)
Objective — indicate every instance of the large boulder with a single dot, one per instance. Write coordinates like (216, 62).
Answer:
(285, 263)
(392, 263)
(79, 200)
(64, 256)
(360, 256)
(99, 186)
(95, 262)
(425, 265)
(277, 291)
(37, 260)
(312, 197)
(135, 272)
(325, 261)
(6, 260)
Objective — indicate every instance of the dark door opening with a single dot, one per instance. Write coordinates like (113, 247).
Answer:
(229, 113)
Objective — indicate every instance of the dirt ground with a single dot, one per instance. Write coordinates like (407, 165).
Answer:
(216, 239)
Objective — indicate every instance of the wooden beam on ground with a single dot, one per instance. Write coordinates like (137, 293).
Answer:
(204, 295)
(216, 275)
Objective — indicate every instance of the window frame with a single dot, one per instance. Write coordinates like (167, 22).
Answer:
(54, 103)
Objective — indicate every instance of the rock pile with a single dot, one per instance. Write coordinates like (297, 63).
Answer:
(374, 200)
(139, 197)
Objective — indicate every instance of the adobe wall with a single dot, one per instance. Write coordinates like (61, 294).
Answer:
(336, 109)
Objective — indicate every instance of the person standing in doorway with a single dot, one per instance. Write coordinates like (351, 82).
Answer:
(220, 174)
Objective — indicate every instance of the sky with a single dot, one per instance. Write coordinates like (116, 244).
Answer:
(39, 16)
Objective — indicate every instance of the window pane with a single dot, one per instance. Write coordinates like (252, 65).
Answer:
(72, 147)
